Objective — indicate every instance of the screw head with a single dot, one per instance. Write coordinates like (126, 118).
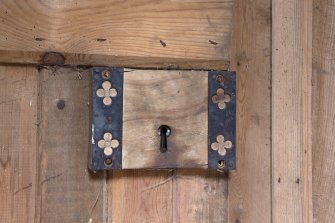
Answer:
(219, 78)
(108, 161)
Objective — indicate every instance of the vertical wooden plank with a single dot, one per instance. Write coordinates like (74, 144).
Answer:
(324, 111)
(140, 196)
(291, 111)
(18, 134)
(250, 185)
(200, 196)
(68, 192)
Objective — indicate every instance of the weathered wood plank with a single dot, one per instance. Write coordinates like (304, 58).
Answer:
(323, 111)
(18, 135)
(154, 98)
(140, 196)
(33, 58)
(250, 185)
(67, 191)
(128, 194)
(200, 196)
(291, 111)
(99, 30)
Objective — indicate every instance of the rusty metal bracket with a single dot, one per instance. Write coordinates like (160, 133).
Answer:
(221, 120)
(106, 115)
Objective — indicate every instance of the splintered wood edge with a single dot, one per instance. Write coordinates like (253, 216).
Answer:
(55, 58)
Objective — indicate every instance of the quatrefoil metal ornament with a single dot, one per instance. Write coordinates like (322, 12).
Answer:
(108, 144)
(106, 92)
(221, 98)
(221, 145)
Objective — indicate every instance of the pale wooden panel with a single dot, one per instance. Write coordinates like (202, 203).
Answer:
(291, 111)
(140, 196)
(200, 196)
(175, 98)
(18, 134)
(324, 111)
(172, 29)
(68, 192)
(250, 184)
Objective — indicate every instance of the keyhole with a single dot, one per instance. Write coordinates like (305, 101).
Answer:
(163, 131)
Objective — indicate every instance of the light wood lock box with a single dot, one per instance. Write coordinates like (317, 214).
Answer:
(145, 119)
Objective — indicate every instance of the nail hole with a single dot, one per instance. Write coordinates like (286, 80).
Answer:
(108, 162)
(106, 74)
(61, 104)
(162, 43)
(221, 164)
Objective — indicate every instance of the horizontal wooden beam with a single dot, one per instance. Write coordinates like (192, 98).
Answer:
(53, 58)
(119, 33)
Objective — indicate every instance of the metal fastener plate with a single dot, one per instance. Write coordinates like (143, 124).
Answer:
(106, 115)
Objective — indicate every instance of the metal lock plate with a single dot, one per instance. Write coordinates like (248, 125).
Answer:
(130, 107)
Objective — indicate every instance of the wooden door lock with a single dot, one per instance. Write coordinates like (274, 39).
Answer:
(133, 114)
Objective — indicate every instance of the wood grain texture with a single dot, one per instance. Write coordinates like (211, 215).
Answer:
(323, 111)
(18, 135)
(178, 99)
(200, 196)
(250, 184)
(35, 58)
(159, 29)
(166, 196)
(140, 196)
(291, 111)
(67, 191)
